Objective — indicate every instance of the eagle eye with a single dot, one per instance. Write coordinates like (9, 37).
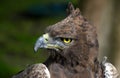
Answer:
(66, 40)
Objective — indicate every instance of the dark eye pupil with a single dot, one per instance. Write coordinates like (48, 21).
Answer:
(66, 39)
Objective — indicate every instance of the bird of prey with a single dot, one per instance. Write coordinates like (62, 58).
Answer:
(73, 47)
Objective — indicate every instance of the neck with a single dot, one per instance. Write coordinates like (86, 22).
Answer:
(72, 62)
(68, 61)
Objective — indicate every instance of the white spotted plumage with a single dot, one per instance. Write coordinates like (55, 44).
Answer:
(109, 70)
(34, 71)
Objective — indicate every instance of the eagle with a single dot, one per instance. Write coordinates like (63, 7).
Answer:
(72, 45)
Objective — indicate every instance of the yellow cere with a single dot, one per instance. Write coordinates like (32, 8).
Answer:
(46, 37)
(67, 40)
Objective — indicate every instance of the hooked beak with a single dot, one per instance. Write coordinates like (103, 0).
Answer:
(47, 42)
(41, 42)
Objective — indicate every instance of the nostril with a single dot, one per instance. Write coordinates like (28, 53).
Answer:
(46, 39)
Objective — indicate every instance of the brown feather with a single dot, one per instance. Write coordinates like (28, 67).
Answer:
(80, 59)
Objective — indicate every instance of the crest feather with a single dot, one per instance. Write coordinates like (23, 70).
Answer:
(72, 10)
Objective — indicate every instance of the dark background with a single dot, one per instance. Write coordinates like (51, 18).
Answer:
(23, 21)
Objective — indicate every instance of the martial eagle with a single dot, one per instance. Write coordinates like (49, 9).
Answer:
(73, 47)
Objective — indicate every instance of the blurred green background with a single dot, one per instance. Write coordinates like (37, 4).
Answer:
(23, 21)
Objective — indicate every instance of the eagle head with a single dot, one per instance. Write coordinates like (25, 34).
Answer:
(73, 37)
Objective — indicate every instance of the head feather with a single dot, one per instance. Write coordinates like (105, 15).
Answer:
(72, 10)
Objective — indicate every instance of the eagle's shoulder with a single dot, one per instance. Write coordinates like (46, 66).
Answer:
(109, 69)
(34, 71)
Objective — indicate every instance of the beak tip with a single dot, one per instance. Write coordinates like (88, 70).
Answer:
(39, 44)
(35, 49)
